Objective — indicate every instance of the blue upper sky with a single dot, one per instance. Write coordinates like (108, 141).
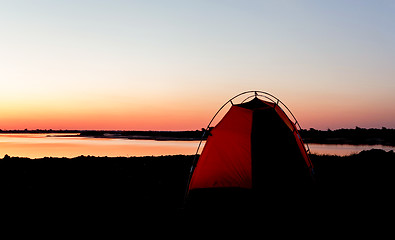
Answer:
(331, 62)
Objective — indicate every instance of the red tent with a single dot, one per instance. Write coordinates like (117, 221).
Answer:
(256, 147)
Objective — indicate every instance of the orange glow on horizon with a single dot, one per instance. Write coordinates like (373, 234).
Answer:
(171, 66)
(174, 114)
(106, 121)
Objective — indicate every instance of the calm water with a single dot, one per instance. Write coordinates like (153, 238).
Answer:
(71, 145)
(343, 149)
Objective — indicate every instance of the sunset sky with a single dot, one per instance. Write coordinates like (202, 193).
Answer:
(169, 65)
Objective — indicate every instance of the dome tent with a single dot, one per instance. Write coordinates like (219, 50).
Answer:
(255, 152)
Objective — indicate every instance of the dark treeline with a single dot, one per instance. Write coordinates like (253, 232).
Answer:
(357, 135)
(156, 135)
(39, 131)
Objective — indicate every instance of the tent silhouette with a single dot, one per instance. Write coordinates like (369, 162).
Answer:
(255, 152)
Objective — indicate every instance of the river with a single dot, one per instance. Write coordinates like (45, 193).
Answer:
(71, 145)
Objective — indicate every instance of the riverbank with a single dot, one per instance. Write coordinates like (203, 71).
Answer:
(120, 134)
(124, 186)
(356, 136)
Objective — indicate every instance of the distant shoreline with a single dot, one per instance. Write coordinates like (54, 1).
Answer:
(357, 136)
(132, 135)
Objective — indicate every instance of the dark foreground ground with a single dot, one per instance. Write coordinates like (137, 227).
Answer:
(353, 188)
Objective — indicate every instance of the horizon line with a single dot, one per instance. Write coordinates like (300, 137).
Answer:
(202, 129)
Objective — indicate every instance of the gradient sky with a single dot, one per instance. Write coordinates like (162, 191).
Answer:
(169, 65)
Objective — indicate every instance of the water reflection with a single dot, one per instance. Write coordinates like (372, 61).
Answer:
(72, 145)
(40, 145)
(343, 149)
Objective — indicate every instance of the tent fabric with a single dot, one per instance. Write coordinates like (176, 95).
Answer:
(255, 146)
(219, 167)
